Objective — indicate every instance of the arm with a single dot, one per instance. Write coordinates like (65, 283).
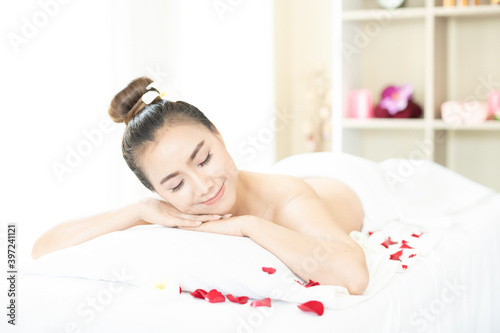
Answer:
(78, 231)
(326, 260)
(149, 211)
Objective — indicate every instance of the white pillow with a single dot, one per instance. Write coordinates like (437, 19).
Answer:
(198, 260)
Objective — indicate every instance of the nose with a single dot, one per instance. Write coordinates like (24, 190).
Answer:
(204, 185)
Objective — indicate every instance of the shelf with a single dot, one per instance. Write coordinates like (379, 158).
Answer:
(418, 12)
(447, 53)
(397, 123)
(376, 14)
(479, 10)
(383, 123)
(489, 125)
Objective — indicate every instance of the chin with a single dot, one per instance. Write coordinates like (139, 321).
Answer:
(226, 205)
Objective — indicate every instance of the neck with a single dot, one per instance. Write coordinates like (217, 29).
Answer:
(243, 195)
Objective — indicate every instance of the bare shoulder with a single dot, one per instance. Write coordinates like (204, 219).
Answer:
(296, 196)
(287, 187)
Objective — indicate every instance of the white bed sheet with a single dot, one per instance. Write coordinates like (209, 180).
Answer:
(454, 288)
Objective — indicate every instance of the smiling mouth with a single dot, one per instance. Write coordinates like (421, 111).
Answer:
(216, 197)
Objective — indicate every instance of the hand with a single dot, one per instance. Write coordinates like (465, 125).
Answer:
(161, 212)
(233, 226)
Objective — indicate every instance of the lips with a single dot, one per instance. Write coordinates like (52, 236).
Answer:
(216, 197)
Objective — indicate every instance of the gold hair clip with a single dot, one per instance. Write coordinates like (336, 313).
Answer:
(151, 95)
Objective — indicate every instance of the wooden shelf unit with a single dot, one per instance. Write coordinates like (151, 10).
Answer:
(445, 53)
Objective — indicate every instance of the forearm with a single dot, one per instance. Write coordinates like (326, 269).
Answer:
(78, 231)
(327, 261)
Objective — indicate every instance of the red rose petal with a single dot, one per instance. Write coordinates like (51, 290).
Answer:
(417, 236)
(312, 306)
(370, 233)
(180, 290)
(405, 267)
(198, 293)
(262, 302)
(214, 296)
(269, 270)
(311, 283)
(240, 300)
(405, 245)
(396, 256)
(388, 242)
(412, 255)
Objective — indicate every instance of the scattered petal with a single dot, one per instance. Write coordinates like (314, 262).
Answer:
(214, 296)
(262, 302)
(370, 233)
(269, 270)
(396, 256)
(412, 255)
(405, 245)
(198, 293)
(417, 236)
(388, 242)
(405, 267)
(311, 283)
(240, 300)
(312, 306)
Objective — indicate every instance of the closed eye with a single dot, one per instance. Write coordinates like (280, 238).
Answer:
(207, 160)
(178, 187)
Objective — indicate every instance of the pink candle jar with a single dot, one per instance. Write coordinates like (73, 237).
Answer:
(360, 104)
(493, 103)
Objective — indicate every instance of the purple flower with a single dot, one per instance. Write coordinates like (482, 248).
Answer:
(395, 98)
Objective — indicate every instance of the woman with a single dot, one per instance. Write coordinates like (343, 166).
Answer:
(178, 153)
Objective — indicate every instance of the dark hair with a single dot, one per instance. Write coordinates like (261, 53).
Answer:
(144, 121)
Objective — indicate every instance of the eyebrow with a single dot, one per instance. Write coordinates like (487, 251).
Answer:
(193, 155)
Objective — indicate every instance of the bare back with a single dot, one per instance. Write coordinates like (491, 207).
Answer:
(279, 193)
(340, 200)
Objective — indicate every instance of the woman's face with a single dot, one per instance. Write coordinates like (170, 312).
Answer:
(190, 168)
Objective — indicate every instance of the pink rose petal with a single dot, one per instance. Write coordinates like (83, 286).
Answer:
(405, 245)
(240, 300)
(269, 270)
(262, 302)
(312, 306)
(396, 256)
(198, 293)
(214, 296)
(388, 242)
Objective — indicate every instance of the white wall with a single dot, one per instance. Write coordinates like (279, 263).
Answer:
(56, 86)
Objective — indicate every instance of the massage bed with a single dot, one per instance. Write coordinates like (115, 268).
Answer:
(430, 237)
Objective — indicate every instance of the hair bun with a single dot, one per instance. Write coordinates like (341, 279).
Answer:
(128, 102)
